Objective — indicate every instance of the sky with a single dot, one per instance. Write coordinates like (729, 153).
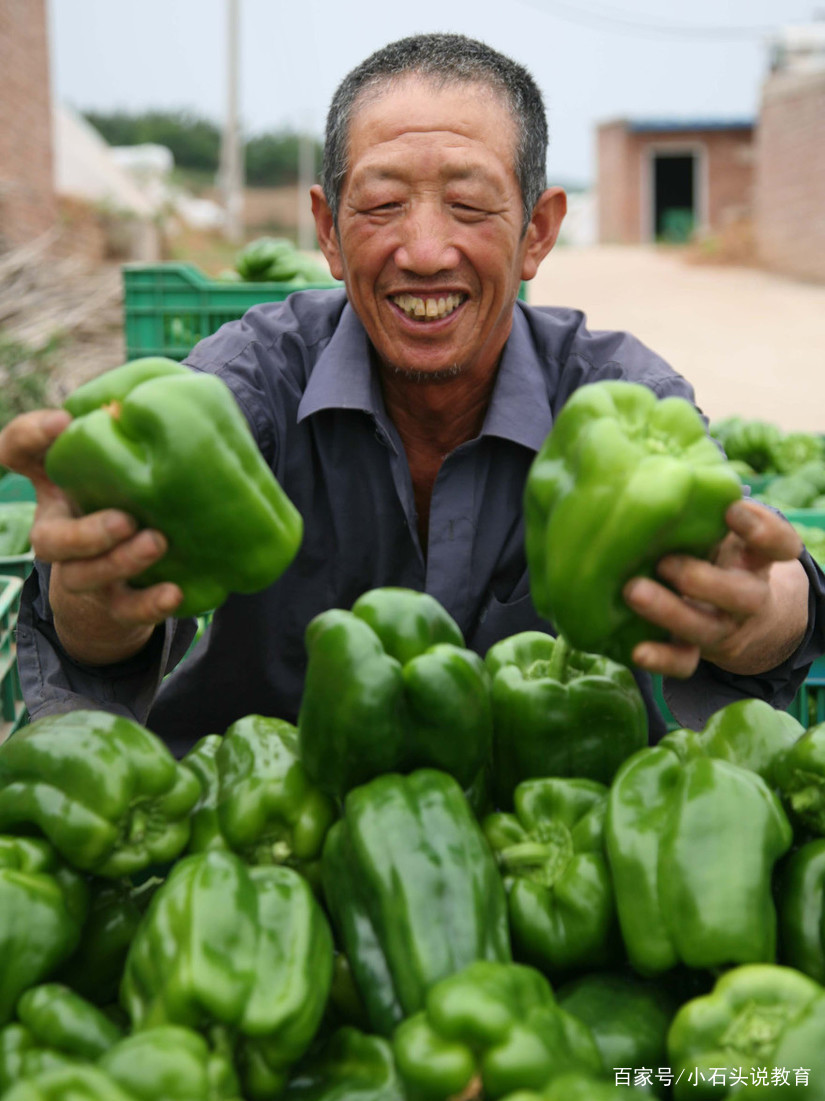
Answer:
(594, 60)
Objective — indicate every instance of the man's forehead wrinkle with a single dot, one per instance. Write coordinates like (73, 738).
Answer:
(372, 173)
(388, 161)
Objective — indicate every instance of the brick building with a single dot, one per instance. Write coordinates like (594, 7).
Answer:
(789, 196)
(664, 180)
(28, 204)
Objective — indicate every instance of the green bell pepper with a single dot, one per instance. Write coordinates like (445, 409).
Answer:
(172, 448)
(346, 1006)
(23, 1057)
(171, 1063)
(205, 832)
(554, 867)
(116, 908)
(269, 259)
(578, 1086)
(55, 1028)
(757, 1018)
(83, 1082)
(241, 950)
(752, 441)
(692, 884)
(794, 449)
(412, 889)
(16, 1043)
(349, 1066)
(629, 1017)
(489, 1030)
(106, 791)
(58, 1018)
(800, 776)
(42, 909)
(801, 905)
(622, 479)
(16, 519)
(390, 687)
(749, 733)
(802, 488)
(559, 712)
(266, 808)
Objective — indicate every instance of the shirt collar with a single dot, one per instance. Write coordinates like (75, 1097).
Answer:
(519, 407)
(342, 375)
(342, 378)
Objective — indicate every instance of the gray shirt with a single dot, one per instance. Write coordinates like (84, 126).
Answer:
(302, 374)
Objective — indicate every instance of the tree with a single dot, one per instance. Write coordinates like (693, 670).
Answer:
(271, 159)
(194, 142)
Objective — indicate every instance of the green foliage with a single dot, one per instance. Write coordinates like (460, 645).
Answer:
(194, 142)
(24, 376)
(271, 159)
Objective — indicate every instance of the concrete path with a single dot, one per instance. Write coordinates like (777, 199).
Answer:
(750, 342)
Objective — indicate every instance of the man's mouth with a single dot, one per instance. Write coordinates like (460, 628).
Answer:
(428, 309)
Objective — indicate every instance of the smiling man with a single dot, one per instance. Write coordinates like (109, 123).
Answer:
(401, 415)
(432, 241)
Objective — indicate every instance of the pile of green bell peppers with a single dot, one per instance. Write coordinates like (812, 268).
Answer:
(511, 896)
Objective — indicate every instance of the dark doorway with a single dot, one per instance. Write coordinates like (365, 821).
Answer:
(674, 199)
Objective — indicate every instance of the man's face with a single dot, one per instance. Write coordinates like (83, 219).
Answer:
(429, 239)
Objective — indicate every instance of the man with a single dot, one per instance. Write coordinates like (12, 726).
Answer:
(402, 419)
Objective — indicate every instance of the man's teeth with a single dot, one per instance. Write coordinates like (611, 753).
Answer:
(427, 307)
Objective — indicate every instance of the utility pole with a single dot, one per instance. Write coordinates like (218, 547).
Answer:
(306, 178)
(232, 166)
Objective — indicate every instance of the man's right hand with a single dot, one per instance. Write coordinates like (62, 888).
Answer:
(99, 617)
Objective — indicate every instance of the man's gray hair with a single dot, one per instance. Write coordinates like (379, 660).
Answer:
(443, 59)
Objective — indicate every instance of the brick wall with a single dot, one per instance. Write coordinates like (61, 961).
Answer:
(790, 181)
(27, 199)
(624, 165)
(616, 205)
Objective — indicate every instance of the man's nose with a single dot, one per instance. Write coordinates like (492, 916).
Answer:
(426, 245)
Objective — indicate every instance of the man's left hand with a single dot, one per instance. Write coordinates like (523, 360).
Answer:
(746, 611)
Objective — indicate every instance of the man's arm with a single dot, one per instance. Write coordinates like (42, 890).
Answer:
(746, 612)
(99, 618)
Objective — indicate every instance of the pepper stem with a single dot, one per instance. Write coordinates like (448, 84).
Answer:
(471, 1092)
(525, 854)
(557, 666)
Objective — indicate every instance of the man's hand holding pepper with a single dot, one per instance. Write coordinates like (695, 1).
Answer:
(746, 611)
(98, 616)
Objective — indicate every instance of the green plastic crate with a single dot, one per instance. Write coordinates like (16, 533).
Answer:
(808, 706)
(14, 487)
(12, 709)
(168, 308)
(17, 565)
(809, 517)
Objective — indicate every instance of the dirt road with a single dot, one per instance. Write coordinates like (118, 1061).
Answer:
(750, 342)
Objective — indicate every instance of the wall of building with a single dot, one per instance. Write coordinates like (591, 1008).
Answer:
(27, 199)
(624, 177)
(616, 198)
(789, 201)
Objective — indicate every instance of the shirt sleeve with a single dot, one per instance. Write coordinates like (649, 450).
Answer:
(52, 682)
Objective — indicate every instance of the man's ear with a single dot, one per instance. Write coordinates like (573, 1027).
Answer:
(325, 230)
(548, 215)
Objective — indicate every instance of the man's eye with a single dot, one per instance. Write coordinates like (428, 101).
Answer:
(466, 210)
